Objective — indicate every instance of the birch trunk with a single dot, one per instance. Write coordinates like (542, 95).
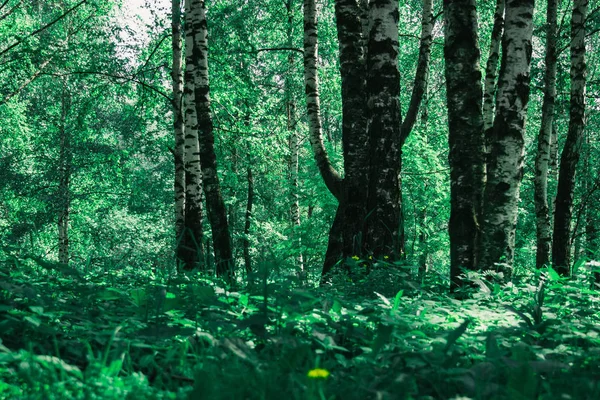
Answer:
(561, 245)
(383, 89)
(466, 135)
(421, 75)
(217, 213)
(191, 251)
(542, 160)
(248, 222)
(330, 176)
(501, 196)
(178, 127)
(64, 185)
(293, 144)
(491, 71)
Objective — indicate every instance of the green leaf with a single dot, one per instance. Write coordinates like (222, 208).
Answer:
(397, 300)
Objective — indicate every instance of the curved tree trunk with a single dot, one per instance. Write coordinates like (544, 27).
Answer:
(542, 160)
(501, 196)
(466, 136)
(421, 75)
(561, 245)
(178, 128)
(330, 176)
(191, 244)
(491, 72)
(217, 213)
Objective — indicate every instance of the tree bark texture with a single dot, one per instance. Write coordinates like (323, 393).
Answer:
(217, 213)
(561, 245)
(351, 18)
(501, 196)
(178, 127)
(369, 216)
(542, 160)
(330, 176)
(191, 248)
(383, 128)
(466, 136)
(294, 146)
(491, 72)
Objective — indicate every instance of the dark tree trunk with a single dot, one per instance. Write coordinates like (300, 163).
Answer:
(561, 245)
(350, 218)
(466, 136)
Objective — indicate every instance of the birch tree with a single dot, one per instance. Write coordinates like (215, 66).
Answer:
(491, 71)
(542, 160)
(466, 133)
(191, 243)
(178, 127)
(562, 240)
(501, 195)
(217, 213)
(369, 216)
(293, 143)
(384, 234)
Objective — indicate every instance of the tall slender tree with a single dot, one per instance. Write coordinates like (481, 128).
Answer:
(65, 174)
(178, 127)
(293, 142)
(466, 133)
(501, 195)
(542, 159)
(191, 243)
(217, 213)
(562, 240)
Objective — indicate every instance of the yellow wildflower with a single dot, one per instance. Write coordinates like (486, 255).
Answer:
(318, 373)
(355, 258)
(386, 257)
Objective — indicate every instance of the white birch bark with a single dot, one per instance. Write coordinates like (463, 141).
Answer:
(542, 160)
(562, 240)
(501, 197)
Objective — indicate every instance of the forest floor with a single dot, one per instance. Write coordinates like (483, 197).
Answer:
(130, 335)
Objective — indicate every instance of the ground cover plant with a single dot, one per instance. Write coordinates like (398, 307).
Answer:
(143, 335)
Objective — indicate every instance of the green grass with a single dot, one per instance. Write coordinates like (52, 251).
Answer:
(132, 335)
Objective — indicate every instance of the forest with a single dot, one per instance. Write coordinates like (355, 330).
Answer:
(303, 199)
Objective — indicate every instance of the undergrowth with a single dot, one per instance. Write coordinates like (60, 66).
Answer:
(128, 334)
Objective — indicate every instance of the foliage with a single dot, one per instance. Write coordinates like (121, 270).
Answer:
(127, 334)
